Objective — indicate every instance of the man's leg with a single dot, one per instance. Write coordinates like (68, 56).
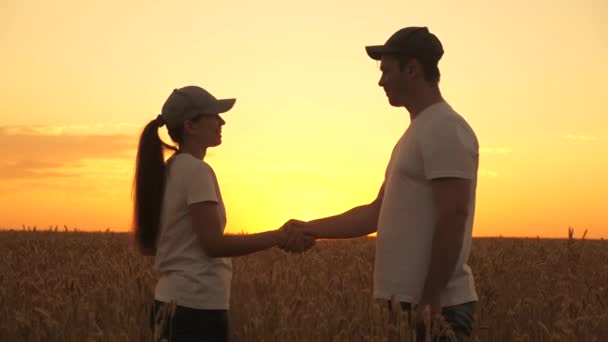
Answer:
(461, 319)
(401, 317)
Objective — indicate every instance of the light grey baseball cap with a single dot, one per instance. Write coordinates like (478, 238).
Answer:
(191, 101)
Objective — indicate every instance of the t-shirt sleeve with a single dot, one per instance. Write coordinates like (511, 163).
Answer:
(449, 149)
(200, 184)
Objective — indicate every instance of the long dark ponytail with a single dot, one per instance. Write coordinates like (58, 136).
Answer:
(148, 187)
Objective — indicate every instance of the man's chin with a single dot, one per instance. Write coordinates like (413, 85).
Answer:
(216, 143)
(393, 102)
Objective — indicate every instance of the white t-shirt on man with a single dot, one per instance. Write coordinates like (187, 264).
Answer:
(187, 275)
(438, 143)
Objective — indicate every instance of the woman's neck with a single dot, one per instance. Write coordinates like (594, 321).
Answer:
(196, 151)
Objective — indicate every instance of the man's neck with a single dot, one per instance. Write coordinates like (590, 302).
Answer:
(426, 98)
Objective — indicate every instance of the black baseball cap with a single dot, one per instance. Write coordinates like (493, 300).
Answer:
(411, 41)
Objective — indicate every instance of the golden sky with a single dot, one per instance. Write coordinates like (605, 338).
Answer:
(311, 132)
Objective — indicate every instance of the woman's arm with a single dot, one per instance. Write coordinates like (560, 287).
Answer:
(216, 244)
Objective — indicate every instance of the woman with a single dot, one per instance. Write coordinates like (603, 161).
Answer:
(180, 218)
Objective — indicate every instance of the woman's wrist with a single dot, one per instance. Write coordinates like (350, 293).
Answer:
(277, 237)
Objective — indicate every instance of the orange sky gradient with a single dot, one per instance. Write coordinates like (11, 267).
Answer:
(311, 132)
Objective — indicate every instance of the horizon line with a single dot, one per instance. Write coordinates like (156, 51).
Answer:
(65, 229)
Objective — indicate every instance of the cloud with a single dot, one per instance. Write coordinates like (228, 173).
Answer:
(121, 127)
(46, 145)
(582, 137)
(57, 151)
(31, 169)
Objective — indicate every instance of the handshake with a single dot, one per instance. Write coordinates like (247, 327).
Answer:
(295, 237)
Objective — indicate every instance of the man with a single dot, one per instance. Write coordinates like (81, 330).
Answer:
(424, 211)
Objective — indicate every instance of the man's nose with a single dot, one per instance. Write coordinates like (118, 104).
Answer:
(382, 81)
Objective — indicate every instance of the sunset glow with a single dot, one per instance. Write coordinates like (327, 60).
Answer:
(311, 132)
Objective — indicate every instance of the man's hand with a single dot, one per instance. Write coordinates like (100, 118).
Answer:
(295, 238)
(427, 312)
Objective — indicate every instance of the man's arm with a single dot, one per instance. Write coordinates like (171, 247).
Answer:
(357, 222)
(452, 197)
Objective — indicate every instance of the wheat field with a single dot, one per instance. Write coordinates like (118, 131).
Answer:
(72, 286)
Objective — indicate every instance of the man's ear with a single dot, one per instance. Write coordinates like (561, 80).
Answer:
(413, 68)
(408, 68)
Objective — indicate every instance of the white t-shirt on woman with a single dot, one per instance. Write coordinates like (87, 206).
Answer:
(187, 275)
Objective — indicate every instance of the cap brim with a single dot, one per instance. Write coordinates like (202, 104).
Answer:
(222, 106)
(377, 51)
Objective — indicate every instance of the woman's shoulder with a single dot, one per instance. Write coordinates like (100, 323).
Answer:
(185, 162)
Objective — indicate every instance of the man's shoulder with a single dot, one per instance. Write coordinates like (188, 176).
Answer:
(443, 112)
(445, 118)
(445, 125)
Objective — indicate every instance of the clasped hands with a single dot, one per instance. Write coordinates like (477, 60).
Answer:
(296, 237)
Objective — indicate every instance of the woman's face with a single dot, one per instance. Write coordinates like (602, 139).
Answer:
(206, 130)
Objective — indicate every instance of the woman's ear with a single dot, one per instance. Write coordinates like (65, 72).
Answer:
(189, 126)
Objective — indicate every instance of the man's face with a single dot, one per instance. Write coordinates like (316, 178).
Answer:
(394, 80)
